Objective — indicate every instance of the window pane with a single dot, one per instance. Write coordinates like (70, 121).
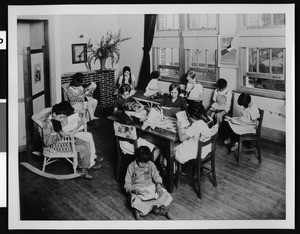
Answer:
(211, 61)
(277, 85)
(277, 61)
(212, 21)
(266, 20)
(192, 21)
(264, 60)
(252, 20)
(278, 19)
(168, 22)
(252, 60)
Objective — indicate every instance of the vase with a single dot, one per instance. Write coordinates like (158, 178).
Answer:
(102, 63)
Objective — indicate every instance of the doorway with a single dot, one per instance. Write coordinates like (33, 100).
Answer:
(33, 77)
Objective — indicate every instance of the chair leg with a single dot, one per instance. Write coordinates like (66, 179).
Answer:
(239, 151)
(44, 164)
(258, 150)
(198, 178)
(213, 173)
(177, 177)
(118, 169)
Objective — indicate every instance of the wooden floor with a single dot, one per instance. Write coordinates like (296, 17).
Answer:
(248, 191)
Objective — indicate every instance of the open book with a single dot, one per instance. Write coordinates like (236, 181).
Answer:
(183, 119)
(149, 193)
(72, 123)
(153, 118)
(91, 88)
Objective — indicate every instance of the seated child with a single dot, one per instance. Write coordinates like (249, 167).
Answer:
(132, 108)
(152, 90)
(84, 145)
(221, 101)
(144, 184)
(76, 91)
(246, 123)
(200, 128)
(124, 93)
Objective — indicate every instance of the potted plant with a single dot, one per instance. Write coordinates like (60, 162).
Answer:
(107, 48)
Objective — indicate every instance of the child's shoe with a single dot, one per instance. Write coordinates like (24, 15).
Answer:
(234, 146)
(136, 214)
(227, 141)
(156, 210)
(164, 211)
(84, 174)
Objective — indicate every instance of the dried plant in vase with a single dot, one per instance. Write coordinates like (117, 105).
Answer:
(107, 48)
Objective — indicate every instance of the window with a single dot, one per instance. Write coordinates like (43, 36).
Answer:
(204, 63)
(178, 46)
(167, 22)
(168, 62)
(265, 69)
(264, 20)
(200, 22)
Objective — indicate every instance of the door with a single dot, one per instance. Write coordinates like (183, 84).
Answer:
(33, 77)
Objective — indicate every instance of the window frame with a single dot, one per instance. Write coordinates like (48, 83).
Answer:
(181, 33)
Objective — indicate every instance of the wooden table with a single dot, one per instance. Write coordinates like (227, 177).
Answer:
(166, 141)
(139, 96)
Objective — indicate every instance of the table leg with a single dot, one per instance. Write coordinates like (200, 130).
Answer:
(170, 157)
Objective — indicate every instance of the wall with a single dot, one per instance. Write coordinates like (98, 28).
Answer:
(131, 50)
(91, 27)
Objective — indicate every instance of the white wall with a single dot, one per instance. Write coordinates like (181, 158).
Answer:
(91, 27)
(131, 50)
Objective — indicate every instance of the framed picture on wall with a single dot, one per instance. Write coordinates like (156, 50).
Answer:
(79, 54)
(228, 51)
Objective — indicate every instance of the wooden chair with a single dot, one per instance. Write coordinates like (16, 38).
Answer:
(199, 164)
(253, 138)
(63, 149)
(128, 133)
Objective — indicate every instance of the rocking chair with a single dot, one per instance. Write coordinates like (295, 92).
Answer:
(63, 149)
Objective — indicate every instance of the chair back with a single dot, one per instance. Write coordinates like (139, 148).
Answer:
(125, 132)
(202, 144)
(260, 120)
(40, 117)
(64, 94)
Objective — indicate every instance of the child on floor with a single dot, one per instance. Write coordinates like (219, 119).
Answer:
(231, 128)
(152, 89)
(144, 184)
(84, 145)
(221, 101)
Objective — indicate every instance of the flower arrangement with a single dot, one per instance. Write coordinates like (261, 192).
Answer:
(107, 48)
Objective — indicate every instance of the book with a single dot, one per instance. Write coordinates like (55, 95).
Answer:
(72, 123)
(183, 119)
(56, 125)
(153, 118)
(91, 88)
(148, 193)
(170, 111)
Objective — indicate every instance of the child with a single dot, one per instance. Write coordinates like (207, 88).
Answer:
(221, 101)
(152, 90)
(76, 91)
(144, 184)
(231, 128)
(174, 99)
(132, 108)
(194, 94)
(84, 141)
(126, 78)
(189, 137)
(124, 93)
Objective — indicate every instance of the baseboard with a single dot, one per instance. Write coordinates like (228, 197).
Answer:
(273, 135)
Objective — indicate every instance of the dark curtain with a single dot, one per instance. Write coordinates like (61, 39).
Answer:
(149, 28)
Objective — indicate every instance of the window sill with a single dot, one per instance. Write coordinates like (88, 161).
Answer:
(205, 84)
(262, 93)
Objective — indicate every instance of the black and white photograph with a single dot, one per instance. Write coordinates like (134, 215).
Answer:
(166, 116)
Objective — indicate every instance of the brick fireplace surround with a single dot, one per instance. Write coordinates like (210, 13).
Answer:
(105, 80)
